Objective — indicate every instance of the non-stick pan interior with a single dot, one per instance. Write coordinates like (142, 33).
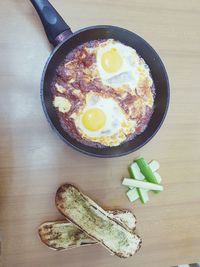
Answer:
(157, 70)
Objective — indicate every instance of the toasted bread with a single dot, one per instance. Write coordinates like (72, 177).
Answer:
(96, 222)
(61, 235)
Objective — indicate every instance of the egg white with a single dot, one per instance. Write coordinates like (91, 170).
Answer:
(127, 74)
(115, 121)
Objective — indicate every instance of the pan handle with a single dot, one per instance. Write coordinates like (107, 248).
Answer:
(55, 27)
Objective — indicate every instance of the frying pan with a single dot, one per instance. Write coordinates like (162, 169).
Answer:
(63, 40)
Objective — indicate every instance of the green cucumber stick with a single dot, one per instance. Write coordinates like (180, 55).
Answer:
(132, 194)
(135, 172)
(141, 184)
(131, 173)
(146, 170)
(143, 194)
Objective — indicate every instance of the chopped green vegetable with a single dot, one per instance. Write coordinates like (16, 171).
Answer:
(140, 184)
(154, 165)
(143, 194)
(143, 178)
(135, 172)
(146, 170)
(132, 194)
(158, 177)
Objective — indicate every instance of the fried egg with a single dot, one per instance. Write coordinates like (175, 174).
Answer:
(102, 120)
(117, 64)
(120, 66)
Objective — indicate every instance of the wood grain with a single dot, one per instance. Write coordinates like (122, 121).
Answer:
(34, 162)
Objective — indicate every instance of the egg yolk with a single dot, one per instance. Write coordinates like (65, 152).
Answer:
(94, 119)
(111, 61)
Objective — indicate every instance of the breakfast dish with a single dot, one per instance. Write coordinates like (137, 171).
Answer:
(97, 223)
(62, 235)
(103, 93)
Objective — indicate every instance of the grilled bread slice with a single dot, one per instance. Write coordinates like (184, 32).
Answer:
(96, 222)
(61, 235)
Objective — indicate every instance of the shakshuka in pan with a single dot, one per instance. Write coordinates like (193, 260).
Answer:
(103, 93)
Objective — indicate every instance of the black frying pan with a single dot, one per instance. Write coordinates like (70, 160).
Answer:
(62, 38)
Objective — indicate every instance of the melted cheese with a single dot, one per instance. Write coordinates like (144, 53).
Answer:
(62, 104)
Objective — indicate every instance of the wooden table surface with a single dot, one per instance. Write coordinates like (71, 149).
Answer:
(34, 161)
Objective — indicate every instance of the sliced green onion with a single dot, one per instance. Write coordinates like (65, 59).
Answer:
(154, 165)
(132, 194)
(140, 184)
(146, 170)
(135, 172)
(143, 194)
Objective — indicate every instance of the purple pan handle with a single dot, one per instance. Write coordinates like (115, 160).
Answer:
(55, 27)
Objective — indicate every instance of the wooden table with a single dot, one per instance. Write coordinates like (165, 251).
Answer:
(34, 161)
